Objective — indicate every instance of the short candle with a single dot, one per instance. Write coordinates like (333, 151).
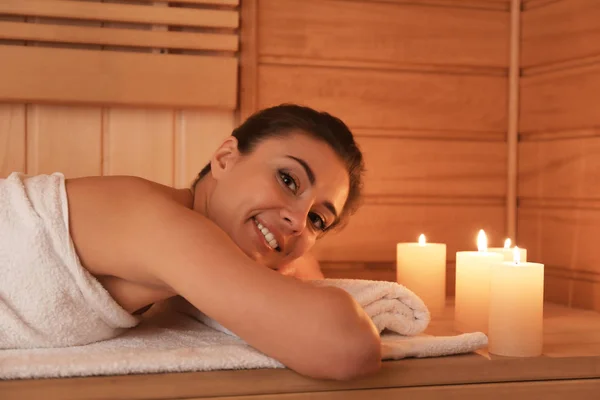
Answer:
(507, 251)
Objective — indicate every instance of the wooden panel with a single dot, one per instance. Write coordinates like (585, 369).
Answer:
(118, 37)
(560, 168)
(140, 143)
(382, 99)
(385, 32)
(561, 100)
(198, 134)
(12, 139)
(29, 74)
(586, 294)
(397, 166)
(373, 232)
(121, 13)
(64, 139)
(201, 2)
(560, 31)
(248, 58)
(564, 236)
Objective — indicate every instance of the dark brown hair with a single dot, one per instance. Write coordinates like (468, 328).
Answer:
(288, 118)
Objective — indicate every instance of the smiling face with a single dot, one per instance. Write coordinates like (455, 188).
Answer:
(277, 200)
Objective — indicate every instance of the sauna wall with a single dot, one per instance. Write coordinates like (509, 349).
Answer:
(423, 85)
(559, 148)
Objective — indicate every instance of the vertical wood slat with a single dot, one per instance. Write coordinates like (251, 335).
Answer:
(248, 59)
(63, 139)
(513, 120)
(197, 135)
(12, 139)
(139, 142)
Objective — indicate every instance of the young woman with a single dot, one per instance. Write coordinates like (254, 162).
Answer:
(286, 177)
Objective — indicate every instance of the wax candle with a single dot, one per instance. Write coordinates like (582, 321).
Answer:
(507, 251)
(516, 308)
(421, 267)
(472, 293)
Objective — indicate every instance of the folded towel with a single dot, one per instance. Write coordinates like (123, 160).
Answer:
(47, 299)
(171, 338)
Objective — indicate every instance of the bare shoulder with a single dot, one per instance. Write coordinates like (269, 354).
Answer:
(100, 217)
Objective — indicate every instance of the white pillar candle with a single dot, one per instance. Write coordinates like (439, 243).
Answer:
(472, 293)
(516, 308)
(421, 267)
(507, 251)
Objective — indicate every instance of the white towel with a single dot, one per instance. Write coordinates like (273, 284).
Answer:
(47, 299)
(172, 339)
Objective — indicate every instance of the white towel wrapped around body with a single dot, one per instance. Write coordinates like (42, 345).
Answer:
(47, 298)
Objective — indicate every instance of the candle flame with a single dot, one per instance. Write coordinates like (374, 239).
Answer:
(507, 244)
(482, 241)
(516, 255)
(422, 240)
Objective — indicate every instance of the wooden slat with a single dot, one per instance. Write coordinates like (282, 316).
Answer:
(232, 3)
(433, 167)
(197, 136)
(532, 4)
(560, 31)
(249, 58)
(12, 139)
(378, 99)
(140, 14)
(117, 37)
(432, 134)
(560, 168)
(560, 101)
(382, 32)
(565, 237)
(64, 139)
(373, 232)
(139, 142)
(101, 77)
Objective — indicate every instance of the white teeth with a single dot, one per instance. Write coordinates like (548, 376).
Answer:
(269, 237)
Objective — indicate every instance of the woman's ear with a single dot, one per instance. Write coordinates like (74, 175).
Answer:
(224, 157)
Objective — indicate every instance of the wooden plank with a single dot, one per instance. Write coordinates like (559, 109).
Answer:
(417, 167)
(372, 234)
(563, 329)
(249, 59)
(561, 236)
(139, 142)
(581, 389)
(12, 139)
(369, 30)
(70, 76)
(560, 31)
(381, 99)
(64, 139)
(494, 5)
(118, 37)
(561, 100)
(568, 168)
(232, 3)
(139, 14)
(197, 136)
(531, 4)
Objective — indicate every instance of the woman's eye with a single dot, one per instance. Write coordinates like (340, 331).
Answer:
(288, 181)
(317, 221)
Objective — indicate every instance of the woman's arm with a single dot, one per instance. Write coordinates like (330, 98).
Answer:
(319, 332)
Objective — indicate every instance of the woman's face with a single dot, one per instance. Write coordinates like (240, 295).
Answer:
(277, 200)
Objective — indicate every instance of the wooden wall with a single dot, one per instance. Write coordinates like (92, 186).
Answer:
(559, 152)
(423, 84)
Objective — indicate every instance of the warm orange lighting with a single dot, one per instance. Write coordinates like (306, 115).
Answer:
(507, 244)
(482, 241)
(422, 240)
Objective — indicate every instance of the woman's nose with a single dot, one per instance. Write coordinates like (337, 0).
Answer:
(295, 219)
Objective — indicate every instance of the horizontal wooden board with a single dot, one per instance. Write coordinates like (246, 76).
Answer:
(390, 99)
(131, 13)
(200, 2)
(390, 32)
(49, 33)
(560, 31)
(397, 166)
(372, 234)
(566, 168)
(561, 100)
(561, 236)
(12, 139)
(34, 74)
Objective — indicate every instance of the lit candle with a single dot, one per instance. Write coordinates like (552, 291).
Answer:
(507, 252)
(516, 308)
(421, 267)
(473, 287)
